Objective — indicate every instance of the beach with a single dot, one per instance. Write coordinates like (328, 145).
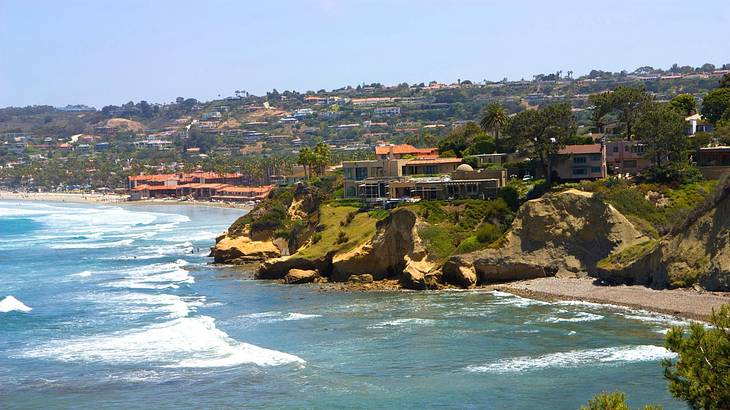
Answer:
(106, 199)
(686, 303)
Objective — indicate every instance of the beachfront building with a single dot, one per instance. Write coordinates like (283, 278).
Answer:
(578, 162)
(198, 185)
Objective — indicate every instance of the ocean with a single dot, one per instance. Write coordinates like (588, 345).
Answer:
(119, 307)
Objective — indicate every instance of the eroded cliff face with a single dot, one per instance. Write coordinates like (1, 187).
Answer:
(563, 233)
(394, 251)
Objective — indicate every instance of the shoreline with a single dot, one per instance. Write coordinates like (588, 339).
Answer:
(685, 303)
(108, 199)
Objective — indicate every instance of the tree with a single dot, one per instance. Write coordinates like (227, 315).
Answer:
(725, 81)
(543, 132)
(612, 401)
(627, 102)
(306, 159)
(716, 105)
(494, 119)
(684, 104)
(663, 131)
(701, 373)
(459, 139)
(322, 156)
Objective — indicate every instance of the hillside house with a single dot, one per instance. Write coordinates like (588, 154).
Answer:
(578, 162)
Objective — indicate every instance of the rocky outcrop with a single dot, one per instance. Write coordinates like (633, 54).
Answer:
(458, 273)
(296, 276)
(394, 244)
(563, 233)
(277, 268)
(696, 252)
(242, 250)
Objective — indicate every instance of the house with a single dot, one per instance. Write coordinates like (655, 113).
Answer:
(714, 161)
(577, 162)
(211, 116)
(698, 124)
(404, 150)
(463, 182)
(386, 111)
(626, 157)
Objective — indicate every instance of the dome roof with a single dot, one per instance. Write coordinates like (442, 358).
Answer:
(464, 167)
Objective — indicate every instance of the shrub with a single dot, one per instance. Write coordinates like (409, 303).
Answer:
(612, 401)
(470, 244)
(316, 237)
(341, 238)
(488, 233)
(674, 174)
(510, 196)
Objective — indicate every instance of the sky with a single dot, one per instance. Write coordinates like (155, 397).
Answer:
(101, 52)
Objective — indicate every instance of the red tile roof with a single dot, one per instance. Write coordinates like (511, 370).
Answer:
(435, 161)
(404, 149)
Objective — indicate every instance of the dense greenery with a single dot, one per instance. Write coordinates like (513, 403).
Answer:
(626, 103)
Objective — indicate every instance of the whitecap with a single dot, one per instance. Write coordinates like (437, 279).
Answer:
(271, 317)
(504, 298)
(403, 322)
(92, 245)
(183, 342)
(576, 358)
(10, 304)
(84, 274)
(579, 317)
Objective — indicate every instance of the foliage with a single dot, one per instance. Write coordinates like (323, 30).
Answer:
(511, 196)
(716, 105)
(488, 233)
(438, 241)
(662, 130)
(627, 256)
(379, 214)
(494, 119)
(673, 173)
(460, 139)
(626, 102)
(542, 133)
(701, 373)
(684, 104)
(612, 401)
(334, 236)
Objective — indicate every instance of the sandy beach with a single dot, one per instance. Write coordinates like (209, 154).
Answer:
(107, 199)
(686, 303)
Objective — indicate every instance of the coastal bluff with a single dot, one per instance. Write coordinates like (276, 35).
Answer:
(566, 234)
(563, 233)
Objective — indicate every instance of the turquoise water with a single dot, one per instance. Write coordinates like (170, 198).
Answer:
(127, 313)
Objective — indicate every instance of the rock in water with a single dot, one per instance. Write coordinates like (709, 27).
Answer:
(562, 233)
(300, 276)
(363, 278)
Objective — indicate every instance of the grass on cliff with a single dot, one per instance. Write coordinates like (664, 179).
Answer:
(627, 256)
(341, 228)
(652, 208)
(461, 226)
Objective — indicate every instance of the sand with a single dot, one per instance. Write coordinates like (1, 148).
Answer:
(686, 303)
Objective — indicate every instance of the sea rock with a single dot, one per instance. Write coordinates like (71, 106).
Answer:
(456, 272)
(563, 233)
(362, 278)
(277, 268)
(300, 276)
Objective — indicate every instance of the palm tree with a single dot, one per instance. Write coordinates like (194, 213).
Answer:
(494, 119)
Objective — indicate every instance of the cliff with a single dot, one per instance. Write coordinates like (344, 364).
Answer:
(563, 233)
(696, 252)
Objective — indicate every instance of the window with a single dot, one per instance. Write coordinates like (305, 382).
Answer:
(595, 170)
(579, 171)
(615, 148)
(579, 160)
(626, 148)
(595, 157)
(361, 173)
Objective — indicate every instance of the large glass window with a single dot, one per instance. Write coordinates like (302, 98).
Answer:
(579, 171)
(579, 160)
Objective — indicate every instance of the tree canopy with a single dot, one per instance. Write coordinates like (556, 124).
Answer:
(716, 105)
(542, 133)
(663, 131)
(494, 119)
(626, 102)
(684, 104)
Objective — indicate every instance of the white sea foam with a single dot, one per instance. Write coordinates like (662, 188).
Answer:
(576, 358)
(183, 342)
(579, 317)
(10, 304)
(154, 276)
(84, 274)
(504, 298)
(403, 322)
(143, 303)
(92, 245)
(271, 317)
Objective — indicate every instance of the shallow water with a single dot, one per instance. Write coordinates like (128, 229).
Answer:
(127, 313)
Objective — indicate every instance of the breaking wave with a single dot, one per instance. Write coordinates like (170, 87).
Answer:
(11, 304)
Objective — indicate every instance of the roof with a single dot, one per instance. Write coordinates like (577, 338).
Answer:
(403, 149)
(251, 189)
(581, 149)
(434, 161)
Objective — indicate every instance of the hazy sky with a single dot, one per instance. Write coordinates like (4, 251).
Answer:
(109, 52)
